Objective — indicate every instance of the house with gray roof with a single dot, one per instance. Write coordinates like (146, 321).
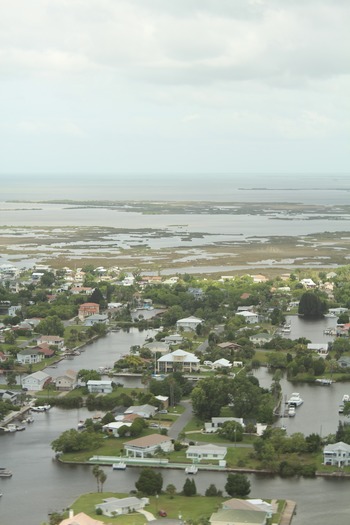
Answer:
(238, 517)
(117, 506)
(29, 356)
(337, 455)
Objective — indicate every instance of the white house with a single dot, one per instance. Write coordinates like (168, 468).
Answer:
(249, 317)
(217, 422)
(179, 360)
(260, 339)
(320, 348)
(114, 426)
(197, 453)
(258, 505)
(308, 283)
(116, 506)
(145, 411)
(188, 323)
(222, 363)
(36, 381)
(96, 319)
(337, 455)
(99, 387)
(29, 356)
(148, 445)
(238, 516)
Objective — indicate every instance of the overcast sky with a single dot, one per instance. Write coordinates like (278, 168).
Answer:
(165, 86)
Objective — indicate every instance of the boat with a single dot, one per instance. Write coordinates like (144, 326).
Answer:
(5, 472)
(295, 400)
(11, 427)
(345, 399)
(191, 469)
(29, 419)
(81, 425)
(119, 466)
(323, 381)
(41, 408)
(291, 411)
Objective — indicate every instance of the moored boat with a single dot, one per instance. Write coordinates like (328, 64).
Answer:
(119, 466)
(291, 411)
(295, 400)
(191, 469)
(5, 472)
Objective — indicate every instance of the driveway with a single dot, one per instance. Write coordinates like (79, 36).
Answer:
(178, 425)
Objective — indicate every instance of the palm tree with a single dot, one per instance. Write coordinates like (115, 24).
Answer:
(96, 471)
(102, 479)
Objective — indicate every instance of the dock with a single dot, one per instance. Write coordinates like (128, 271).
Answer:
(288, 512)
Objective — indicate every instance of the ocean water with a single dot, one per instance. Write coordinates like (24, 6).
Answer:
(323, 188)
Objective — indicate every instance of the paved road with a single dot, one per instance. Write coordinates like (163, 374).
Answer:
(182, 420)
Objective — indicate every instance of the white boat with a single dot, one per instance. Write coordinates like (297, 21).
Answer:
(11, 427)
(323, 381)
(345, 399)
(119, 466)
(192, 469)
(5, 473)
(41, 408)
(295, 400)
(291, 411)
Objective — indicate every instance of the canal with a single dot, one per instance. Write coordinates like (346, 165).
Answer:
(41, 485)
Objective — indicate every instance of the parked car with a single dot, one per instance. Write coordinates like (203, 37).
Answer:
(162, 513)
(162, 412)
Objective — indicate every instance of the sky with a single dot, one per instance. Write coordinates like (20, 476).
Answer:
(105, 87)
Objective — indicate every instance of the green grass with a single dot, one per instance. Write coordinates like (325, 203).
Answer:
(191, 508)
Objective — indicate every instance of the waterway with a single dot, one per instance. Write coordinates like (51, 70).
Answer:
(41, 485)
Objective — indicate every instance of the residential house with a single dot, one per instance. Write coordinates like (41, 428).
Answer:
(114, 426)
(67, 381)
(217, 422)
(157, 347)
(147, 446)
(196, 292)
(249, 317)
(188, 323)
(36, 381)
(87, 309)
(228, 345)
(46, 350)
(79, 519)
(179, 360)
(29, 356)
(9, 395)
(337, 455)
(238, 517)
(199, 452)
(145, 411)
(99, 387)
(96, 319)
(117, 506)
(257, 505)
(222, 363)
(344, 361)
(13, 310)
(173, 339)
(320, 348)
(261, 338)
(308, 283)
(52, 340)
(84, 290)
(164, 400)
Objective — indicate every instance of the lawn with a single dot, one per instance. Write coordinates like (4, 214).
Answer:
(190, 508)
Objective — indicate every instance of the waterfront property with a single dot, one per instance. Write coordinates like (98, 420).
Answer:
(29, 356)
(188, 323)
(96, 319)
(67, 381)
(233, 517)
(99, 387)
(36, 381)
(79, 519)
(250, 504)
(144, 411)
(337, 455)
(117, 506)
(197, 453)
(179, 360)
(148, 445)
(87, 309)
(114, 426)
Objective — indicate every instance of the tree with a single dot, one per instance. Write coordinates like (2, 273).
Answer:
(150, 482)
(311, 306)
(96, 472)
(237, 485)
(11, 379)
(232, 431)
(170, 490)
(212, 491)
(51, 325)
(209, 396)
(74, 441)
(189, 488)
